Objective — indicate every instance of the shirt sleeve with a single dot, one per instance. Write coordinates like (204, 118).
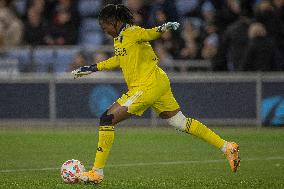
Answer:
(108, 64)
(143, 34)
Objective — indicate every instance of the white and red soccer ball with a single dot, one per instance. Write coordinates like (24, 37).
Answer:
(70, 171)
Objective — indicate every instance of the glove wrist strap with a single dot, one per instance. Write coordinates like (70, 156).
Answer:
(160, 29)
(94, 68)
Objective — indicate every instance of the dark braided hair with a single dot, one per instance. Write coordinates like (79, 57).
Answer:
(112, 13)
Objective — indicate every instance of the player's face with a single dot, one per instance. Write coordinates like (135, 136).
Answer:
(109, 28)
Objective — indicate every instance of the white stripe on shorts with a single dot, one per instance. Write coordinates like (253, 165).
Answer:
(132, 99)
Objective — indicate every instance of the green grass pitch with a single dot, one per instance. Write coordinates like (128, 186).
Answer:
(31, 157)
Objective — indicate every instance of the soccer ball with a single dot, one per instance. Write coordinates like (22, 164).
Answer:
(70, 170)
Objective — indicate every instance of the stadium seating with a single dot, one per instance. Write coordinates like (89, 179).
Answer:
(9, 66)
(89, 8)
(90, 25)
(91, 39)
(44, 58)
(23, 55)
(64, 58)
(20, 6)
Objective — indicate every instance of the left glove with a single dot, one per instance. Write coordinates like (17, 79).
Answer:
(168, 26)
(84, 70)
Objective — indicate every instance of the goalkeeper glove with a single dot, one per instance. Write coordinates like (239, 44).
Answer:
(84, 70)
(168, 26)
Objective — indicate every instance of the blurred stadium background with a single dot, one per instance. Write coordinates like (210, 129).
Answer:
(226, 62)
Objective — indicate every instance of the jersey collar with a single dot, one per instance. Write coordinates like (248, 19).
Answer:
(122, 29)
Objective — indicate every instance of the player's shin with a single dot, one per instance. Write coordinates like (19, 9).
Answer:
(96, 175)
(196, 128)
(106, 138)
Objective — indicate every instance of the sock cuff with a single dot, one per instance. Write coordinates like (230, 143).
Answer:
(177, 121)
(106, 128)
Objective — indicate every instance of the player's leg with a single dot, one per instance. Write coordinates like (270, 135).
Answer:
(194, 127)
(113, 115)
(168, 108)
(178, 120)
(131, 103)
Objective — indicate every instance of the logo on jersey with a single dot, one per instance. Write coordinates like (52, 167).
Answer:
(120, 52)
(100, 149)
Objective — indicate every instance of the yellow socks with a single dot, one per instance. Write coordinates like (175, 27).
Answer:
(192, 126)
(106, 137)
(196, 128)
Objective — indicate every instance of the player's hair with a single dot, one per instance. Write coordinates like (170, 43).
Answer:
(112, 13)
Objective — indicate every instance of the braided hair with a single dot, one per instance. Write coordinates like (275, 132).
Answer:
(112, 13)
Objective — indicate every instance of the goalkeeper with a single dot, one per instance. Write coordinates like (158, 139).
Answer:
(148, 86)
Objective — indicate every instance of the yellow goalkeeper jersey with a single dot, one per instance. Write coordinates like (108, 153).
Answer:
(135, 56)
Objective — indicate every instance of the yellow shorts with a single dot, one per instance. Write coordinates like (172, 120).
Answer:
(158, 97)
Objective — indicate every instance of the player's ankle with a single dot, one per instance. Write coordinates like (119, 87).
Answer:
(224, 147)
(99, 171)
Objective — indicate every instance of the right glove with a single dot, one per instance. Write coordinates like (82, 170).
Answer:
(84, 70)
(168, 26)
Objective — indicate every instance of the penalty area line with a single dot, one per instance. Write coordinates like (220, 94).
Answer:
(150, 164)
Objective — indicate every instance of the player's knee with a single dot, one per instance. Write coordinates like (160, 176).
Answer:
(106, 119)
(177, 121)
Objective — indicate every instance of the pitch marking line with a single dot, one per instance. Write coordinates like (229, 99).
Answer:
(149, 164)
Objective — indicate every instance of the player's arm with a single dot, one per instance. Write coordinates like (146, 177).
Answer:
(108, 64)
(154, 33)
